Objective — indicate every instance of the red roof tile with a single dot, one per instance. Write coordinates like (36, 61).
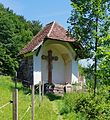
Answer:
(52, 31)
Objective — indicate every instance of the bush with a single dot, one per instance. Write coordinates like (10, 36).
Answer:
(69, 102)
(93, 108)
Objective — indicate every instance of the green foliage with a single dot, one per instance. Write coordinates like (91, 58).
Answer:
(87, 106)
(15, 32)
(69, 102)
(88, 72)
(7, 64)
(74, 116)
(53, 97)
(81, 71)
(90, 24)
(104, 56)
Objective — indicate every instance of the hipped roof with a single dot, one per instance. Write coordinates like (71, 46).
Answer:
(52, 31)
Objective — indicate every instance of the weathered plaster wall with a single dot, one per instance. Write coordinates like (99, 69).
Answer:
(68, 71)
(74, 71)
(58, 70)
(57, 67)
(37, 67)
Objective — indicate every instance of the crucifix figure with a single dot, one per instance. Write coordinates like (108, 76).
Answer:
(49, 58)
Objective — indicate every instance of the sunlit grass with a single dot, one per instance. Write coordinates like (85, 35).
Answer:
(44, 111)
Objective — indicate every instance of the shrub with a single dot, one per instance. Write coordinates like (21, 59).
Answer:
(69, 102)
(93, 108)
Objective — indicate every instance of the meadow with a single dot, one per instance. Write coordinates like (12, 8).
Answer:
(72, 106)
(47, 110)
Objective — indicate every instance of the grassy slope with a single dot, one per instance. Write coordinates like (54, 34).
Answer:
(46, 111)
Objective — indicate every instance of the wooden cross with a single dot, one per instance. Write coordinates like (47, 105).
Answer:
(49, 58)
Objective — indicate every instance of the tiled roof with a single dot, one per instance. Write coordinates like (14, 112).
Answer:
(52, 31)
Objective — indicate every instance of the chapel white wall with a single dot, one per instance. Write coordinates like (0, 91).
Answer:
(74, 72)
(37, 67)
(68, 71)
(58, 68)
(61, 72)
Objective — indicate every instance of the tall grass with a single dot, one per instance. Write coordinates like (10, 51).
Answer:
(43, 112)
(5, 96)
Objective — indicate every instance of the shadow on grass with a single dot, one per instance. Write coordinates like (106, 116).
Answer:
(25, 90)
(53, 97)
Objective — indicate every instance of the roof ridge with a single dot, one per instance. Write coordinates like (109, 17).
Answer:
(51, 29)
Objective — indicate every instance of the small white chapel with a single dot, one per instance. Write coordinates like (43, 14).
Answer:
(51, 56)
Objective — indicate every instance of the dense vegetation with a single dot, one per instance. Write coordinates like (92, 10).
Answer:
(73, 106)
(83, 106)
(90, 24)
(15, 32)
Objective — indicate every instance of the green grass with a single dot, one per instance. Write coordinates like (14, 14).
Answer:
(51, 107)
(5, 96)
(46, 111)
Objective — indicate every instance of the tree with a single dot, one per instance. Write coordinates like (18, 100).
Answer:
(15, 32)
(104, 56)
(90, 24)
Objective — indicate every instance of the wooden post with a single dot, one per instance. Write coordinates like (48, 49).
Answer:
(15, 104)
(15, 100)
(39, 93)
(32, 102)
(42, 89)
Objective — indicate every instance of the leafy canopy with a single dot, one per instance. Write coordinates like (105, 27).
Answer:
(90, 24)
(15, 32)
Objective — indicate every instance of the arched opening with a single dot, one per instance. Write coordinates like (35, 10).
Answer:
(61, 69)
